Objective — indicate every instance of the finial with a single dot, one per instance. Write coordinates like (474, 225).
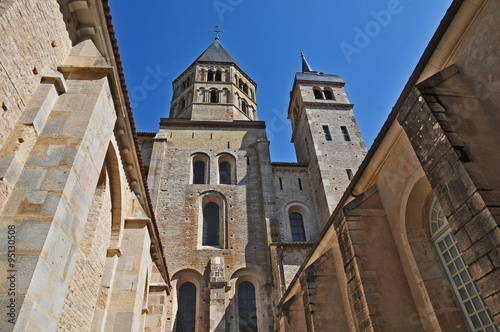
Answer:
(217, 31)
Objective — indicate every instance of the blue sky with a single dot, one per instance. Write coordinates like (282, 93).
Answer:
(373, 45)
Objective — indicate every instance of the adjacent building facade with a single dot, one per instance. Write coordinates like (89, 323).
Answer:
(403, 237)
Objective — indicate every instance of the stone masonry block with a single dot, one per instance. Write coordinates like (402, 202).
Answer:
(490, 283)
(480, 226)
(460, 217)
(31, 179)
(495, 257)
(53, 155)
(483, 246)
(32, 234)
(481, 267)
(55, 124)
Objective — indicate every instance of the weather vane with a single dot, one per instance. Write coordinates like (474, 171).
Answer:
(217, 31)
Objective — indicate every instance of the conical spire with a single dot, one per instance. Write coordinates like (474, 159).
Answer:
(216, 53)
(305, 66)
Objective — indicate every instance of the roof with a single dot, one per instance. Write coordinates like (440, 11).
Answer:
(215, 53)
(111, 31)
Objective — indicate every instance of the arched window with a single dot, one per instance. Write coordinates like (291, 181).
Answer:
(317, 94)
(186, 308)
(199, 172)
(328, 94)
(245, 88)
(218, 76)
(210, 76)
(247, 310)
(211, 224)
(244, 106)
(182, 104)
(297, 226)
(465, 287)
(213, 96)
(225, 173)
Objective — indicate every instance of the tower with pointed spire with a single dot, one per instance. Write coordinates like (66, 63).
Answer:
(325, 134)
(207, 165)
(214, 88)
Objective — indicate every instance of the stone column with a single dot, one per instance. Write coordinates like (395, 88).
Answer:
(218, 301)
(125, 308)
(104, 298)
(155, 168)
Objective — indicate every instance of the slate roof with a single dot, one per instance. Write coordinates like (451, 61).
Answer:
(215, 53)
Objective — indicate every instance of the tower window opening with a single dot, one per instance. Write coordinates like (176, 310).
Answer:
(245, 88)
(244, 107)
(300, 184)
(199, 172)
(182, 104)
(225, 173)
(218, 76)
(349, 174)
(326, 130)
(297, 226)
(318, 94)
(211, 224)
(328, 94)
(281, 184)
(213, 96)
(210, 76)
(248, 161)
(347, 138)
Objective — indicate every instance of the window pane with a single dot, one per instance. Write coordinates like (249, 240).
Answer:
(186, 308)
(225, 173)
(297, 226)
(211, 224)
(247, 311)
(213, 96)
(199, 172)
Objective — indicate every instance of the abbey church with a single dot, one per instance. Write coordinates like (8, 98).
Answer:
(195, 228)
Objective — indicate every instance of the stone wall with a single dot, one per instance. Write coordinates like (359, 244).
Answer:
(292, 196)
(179, 207)
(45, 42)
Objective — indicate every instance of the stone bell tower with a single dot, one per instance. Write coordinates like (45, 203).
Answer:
(214, 88)
(325, 134)
(205, 178)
